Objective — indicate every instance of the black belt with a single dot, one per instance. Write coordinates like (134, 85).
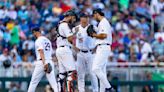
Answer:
(46, 59)
(85, 51)
(65, 46)
(103, 44)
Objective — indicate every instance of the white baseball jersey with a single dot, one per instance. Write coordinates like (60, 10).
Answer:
(84, 60)
(45, 44)
(65, 31)
(104, 27)
(83, 41)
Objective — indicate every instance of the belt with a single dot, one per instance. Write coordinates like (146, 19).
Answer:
(103, 44)
(65, 46)
(46, 59)
(85, 51)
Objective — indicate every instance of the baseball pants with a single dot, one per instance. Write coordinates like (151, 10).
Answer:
(66, 62)
(65, 59)
(99, 66)
(84, 66)
(38, 74)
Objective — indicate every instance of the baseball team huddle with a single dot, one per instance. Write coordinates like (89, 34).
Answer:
(92, 47)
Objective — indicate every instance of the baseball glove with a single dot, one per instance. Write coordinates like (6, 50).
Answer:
(48, 68)
(91, 30)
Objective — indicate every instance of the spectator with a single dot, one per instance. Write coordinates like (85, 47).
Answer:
(10, 25)
(14, 53)
(121, 26)
(108, 13)
(142, 8)
(48, 23)
(158, 20)
(124, 4)
(3, 12)
(134, 51)
(144, 26)
(56, 9)
(156, 7)
(159, 34)
(121, 55)
(5, 55)
(98, 4)
(23, 13)
(16, 64)
(12, 13)
(28, 44)
(146, 51)
(27, 66)
(134, 22)
(24, 27)
(15, 35)
(6, 38)
(158, 48)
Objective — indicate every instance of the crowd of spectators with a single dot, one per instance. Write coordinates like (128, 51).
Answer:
(138, 27)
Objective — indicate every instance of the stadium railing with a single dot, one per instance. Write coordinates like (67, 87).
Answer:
(130, 75)
(130, 84)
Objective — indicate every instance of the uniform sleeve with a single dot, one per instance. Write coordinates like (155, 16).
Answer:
(39, 45)
(104, 29)
(67, 30)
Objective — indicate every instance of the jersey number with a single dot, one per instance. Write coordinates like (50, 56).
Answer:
(47, 46)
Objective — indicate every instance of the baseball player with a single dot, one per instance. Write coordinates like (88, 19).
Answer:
(85, 44)
(103, 43)
(64, 53)
(44, 64)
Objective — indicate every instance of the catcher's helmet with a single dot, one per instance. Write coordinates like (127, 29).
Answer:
(69, 13)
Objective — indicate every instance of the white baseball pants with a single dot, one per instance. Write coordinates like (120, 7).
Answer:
(84, 66)
(65, 59)
(99, 65)
(38, 74)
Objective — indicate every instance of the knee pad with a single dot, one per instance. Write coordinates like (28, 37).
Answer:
(72, 75)
(60, 81)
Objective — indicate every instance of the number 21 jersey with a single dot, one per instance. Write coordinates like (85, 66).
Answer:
(44, 44)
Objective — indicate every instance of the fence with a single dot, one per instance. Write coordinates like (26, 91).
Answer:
(130, 76)
(130, 84)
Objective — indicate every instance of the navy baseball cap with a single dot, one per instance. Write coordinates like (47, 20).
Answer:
(35, 29)
(99, 11)
(83, 15)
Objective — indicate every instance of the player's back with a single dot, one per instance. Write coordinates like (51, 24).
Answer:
(45, 44)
